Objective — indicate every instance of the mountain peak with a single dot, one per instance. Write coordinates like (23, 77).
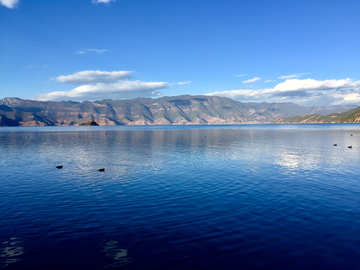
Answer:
(10, 101)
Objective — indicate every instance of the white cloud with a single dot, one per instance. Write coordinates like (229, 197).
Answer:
(119, 90)
(103, 85)
(94, 76)
(240, 75)
(267, 81)
(91, 50)
(252, 80)
(9, 3)
(183, 83)
(293, 76)
(101, 1)
(306, 92)
(345, 99)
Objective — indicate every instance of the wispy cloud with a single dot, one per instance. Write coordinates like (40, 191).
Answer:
(267, 81)
(252, 80)
(183, 83)
(314, 85)
(9, 3)
(293, 76)
(307, 92)
(91, 50)
(101, 1)
(240, 75)
(94, 76)
(30, 66)
(104, 85)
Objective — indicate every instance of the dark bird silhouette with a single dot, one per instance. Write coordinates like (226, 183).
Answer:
(350, 146)
(102, 170)
(59, 167)
(335, 144)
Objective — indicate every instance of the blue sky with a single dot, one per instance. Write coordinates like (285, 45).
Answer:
(306, 52)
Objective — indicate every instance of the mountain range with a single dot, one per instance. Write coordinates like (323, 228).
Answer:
(179, 110)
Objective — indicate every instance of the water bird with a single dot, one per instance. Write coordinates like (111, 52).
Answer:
(102, 170)
(335, 144)
(59, 167)
(350, 146)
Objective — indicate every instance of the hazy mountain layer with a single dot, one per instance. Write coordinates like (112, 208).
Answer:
(181, 110)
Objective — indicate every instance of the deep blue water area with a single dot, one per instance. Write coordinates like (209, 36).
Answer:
(180, 197)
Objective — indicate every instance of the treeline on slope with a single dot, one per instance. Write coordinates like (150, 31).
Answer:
(147, 111)
(351, 116)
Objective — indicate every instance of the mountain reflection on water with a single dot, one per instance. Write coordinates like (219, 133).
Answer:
(181, 197)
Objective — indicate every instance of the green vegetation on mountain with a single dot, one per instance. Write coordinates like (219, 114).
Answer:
(147, 111)
(351, 116)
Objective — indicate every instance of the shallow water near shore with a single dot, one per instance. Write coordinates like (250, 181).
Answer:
(180, 197)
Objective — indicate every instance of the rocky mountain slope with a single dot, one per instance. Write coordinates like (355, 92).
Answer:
(146, 111)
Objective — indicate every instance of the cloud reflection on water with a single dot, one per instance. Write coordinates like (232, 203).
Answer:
(11, 252)
(119, 255)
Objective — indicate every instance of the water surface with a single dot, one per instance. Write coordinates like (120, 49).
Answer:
(180, 197)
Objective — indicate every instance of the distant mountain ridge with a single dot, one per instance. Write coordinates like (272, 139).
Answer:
(178, 110)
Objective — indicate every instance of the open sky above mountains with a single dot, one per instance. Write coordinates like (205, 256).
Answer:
(307, 52)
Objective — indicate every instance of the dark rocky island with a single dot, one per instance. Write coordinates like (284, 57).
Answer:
(89, 123)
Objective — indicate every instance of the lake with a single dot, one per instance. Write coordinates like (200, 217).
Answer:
(180, 197)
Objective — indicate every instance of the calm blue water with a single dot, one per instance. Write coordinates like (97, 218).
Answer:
(180, 197)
